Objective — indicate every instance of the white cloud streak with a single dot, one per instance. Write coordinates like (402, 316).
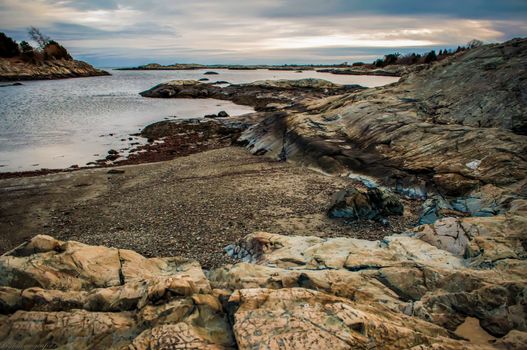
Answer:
(235, 30)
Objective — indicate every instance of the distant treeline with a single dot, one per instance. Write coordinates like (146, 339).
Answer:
(47, 49)
(428, 57)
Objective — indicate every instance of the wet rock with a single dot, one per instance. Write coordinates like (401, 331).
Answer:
(371, 204)
(13, 84)
(223, 114)
(112, 157)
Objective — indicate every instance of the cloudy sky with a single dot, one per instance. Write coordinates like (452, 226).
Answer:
(131, 32)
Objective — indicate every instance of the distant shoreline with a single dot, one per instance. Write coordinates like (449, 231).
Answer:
(363, 69)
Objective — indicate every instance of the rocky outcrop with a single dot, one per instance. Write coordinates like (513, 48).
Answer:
(169, 139)
(267, 95)
(59, 294)
(458, 281)
(292, 292)
(402, 273)
(455, 126)
(372, 203)
(398, 70)
(16, 69)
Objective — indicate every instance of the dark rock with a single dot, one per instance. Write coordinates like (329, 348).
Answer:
(112, 151)
(115, 171)
(260, 152)
(112, 157)
(203, 79)
(372, 204)
(211, 116)
(14, 84)
(223, 114)
(211, 73)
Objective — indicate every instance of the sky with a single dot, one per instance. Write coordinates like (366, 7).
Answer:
(111, 33)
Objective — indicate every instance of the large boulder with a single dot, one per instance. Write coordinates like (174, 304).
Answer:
(68, 294)
(296, 292)
(402, 273)
(373, 203)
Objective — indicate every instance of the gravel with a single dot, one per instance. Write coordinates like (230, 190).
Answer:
(195, 206)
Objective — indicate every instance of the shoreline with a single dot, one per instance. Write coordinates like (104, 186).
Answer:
(388, 71)
(215, 194)
(265, 97)
(148, 153)
(15, 70)
(353, 218)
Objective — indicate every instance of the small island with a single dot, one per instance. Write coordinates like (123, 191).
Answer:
(21, 61)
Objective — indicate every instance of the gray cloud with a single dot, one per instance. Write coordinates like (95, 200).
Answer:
(118, 32)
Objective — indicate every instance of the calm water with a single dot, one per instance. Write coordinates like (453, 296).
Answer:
(59, 123)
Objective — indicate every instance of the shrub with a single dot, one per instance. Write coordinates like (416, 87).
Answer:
(54, 50)
(431, 57)
(27, 52)
(8, 47)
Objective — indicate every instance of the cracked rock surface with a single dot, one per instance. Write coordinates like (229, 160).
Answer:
(292, 292)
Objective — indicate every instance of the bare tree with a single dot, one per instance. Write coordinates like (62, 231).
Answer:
(41, 39)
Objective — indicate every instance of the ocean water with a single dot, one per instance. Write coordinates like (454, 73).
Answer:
(59, 123)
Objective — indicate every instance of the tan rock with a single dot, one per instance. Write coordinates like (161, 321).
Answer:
(303, 319)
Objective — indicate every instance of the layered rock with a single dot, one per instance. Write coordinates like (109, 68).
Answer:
(263, 95)
(15, 69)
(373, 203)
(455, 126)
(293, 292)
(59, 294)
(401, 273)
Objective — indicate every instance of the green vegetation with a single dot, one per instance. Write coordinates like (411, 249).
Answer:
(48, 49)
(8, 47)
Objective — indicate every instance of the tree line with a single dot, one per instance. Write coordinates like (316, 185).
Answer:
(428, 57)
(47, 49)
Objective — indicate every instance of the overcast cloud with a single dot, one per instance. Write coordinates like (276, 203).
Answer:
(120, 33)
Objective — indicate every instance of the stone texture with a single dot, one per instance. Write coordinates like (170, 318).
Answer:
(69, 294)
(293, 292)
(13, 69)
(303, 319)
(265, 95)
(427, 127)
(402, 273)
(373, 203)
